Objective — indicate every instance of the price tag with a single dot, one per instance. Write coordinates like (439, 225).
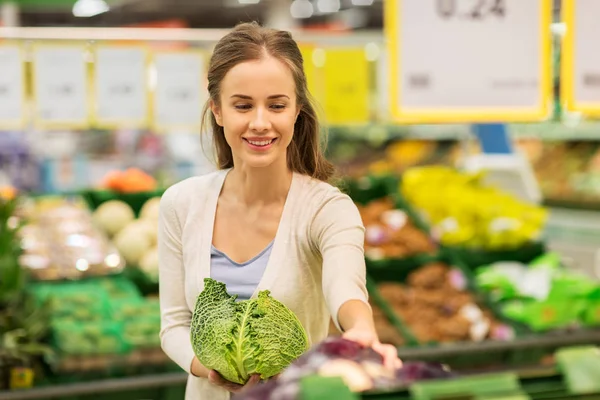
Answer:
(580, 75)
(61, 96)
(460, 61)
(120, 91)
(346, 73)
(180, 92)
(12, 87)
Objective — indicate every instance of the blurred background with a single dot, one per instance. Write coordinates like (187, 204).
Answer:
(465, 131)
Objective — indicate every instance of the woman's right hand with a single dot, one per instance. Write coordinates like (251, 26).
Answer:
(216, 379)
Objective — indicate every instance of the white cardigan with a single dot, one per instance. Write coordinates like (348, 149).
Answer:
(316, 264)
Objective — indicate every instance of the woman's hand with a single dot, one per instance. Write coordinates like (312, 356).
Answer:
(216, 379)
(368, 338)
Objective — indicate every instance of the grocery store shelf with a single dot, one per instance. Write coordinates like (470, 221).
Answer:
(97, 387)
(544, 131)
(562, 339)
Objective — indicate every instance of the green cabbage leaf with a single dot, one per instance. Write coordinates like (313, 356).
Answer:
(241, 338)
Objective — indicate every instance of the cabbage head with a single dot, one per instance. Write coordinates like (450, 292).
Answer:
(240, 339)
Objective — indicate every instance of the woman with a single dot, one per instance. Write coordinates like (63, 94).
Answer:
(267, 219)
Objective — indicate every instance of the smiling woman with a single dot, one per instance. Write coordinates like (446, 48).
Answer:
(259, 74)
(268, 219)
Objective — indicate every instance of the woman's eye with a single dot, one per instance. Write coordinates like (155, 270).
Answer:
(278, 106)
(243, 106)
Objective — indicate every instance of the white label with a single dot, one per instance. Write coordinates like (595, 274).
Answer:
(180, 94)
(585, 29)
(120, 83)
(469, 59)
(60, 85)
(11, 86)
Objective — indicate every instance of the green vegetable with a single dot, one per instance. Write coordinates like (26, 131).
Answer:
(240, 339)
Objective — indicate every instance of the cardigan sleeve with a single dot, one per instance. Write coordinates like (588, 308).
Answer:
(339, 234)
(175, 314)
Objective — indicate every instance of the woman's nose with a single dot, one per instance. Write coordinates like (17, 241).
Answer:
(260, 121)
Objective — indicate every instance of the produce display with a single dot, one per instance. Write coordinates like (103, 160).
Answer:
(436, 305)
(567, 172)
(132, 180)
(390, 233)
(386, 331)
(359, 369)
(463, 212)
(357, 157)
(542, 294)
(99, 316)
(134, 238)
(240, 339)
(61, 241)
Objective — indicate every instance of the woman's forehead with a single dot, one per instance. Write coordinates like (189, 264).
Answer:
(265, 77)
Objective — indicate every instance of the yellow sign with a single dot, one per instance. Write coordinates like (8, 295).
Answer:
(314, 75)
(347, 83)
(580, 64)
(462, 61)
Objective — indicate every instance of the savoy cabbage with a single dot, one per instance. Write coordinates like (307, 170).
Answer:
(239, 339)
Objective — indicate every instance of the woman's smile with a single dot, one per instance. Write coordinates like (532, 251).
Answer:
(258, 143)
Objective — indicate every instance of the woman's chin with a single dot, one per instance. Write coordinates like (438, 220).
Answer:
(262, 161)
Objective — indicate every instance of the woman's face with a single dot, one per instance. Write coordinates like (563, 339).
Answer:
(257, 111)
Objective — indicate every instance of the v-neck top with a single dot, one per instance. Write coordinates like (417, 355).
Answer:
(241, 279)
(316, 262)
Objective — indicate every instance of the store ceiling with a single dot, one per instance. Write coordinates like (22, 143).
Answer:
(197, 13)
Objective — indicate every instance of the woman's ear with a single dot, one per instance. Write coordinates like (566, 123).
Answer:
(216, 110)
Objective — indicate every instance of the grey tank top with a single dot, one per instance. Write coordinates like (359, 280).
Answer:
(241, 279)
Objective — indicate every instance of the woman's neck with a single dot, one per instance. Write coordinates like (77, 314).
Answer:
(259, 186)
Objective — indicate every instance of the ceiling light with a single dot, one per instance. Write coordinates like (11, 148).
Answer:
(362, 2)
(89, 8)
(301, 9)
(248, 1)
(328, 6)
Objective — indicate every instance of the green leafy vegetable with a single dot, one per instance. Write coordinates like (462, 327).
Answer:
(240, 339)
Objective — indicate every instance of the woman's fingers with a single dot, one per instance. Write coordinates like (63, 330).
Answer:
(216, 379)
(389, 354)
(254, 379)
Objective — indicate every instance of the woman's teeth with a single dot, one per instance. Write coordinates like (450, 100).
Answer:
(260, 143)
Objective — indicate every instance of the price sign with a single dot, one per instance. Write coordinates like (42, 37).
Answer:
(120, 91)
(180, 91)
(60, 86)
(580, 75)
(12, 87)
(346, 74)
(457, 61)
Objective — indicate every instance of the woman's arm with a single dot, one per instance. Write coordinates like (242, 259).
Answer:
(339, 234)
(355, 314)
(175, 314)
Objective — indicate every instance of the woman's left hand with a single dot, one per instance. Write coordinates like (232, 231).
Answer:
(368, 338)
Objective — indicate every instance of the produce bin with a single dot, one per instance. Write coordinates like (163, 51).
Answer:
(135, 200)
(398, 273)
